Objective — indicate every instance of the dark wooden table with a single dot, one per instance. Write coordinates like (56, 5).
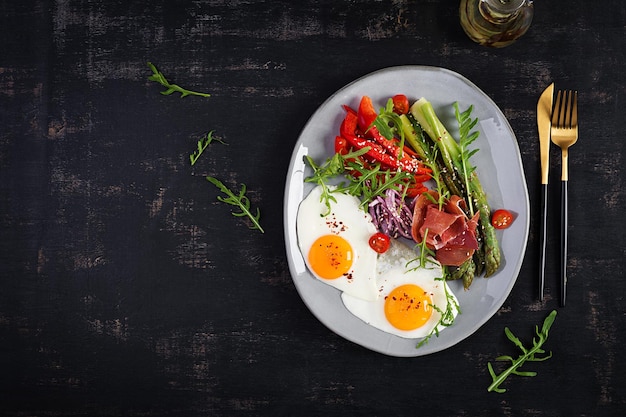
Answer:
(127, 289)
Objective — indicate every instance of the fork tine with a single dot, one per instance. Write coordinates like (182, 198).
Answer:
(567, 109)
(575, 110)
(564, 111)
(555, 111)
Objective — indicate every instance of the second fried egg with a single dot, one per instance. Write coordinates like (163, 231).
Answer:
(411, 301)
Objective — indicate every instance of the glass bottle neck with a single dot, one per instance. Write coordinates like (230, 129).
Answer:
(503, 7)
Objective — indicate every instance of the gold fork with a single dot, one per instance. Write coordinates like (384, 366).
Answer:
(564, 133)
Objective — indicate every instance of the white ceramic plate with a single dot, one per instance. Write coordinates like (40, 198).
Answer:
(499, 168)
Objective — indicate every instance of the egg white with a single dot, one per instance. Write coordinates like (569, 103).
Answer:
(356, 228)
(392, 272)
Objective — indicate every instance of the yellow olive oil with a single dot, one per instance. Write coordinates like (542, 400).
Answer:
(495, 23)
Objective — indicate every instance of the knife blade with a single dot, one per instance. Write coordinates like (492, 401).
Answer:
(544, 112)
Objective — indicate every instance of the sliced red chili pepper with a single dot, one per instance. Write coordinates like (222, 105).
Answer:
(400, 104)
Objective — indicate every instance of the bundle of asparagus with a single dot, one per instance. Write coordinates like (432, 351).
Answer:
(427, 135)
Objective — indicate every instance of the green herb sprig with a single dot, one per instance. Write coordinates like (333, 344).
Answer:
(372, 181)
(528, 355)
(239, 200)
(447, 316)
(202, 145)
(331, 168)
(389, 124)
(466, 137)
(427, 256)
(367, 183)
(157, 76)
(442, 190)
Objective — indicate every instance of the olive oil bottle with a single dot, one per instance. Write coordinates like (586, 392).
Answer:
(495, 23)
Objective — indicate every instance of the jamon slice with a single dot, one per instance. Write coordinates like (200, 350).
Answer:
(447, 231)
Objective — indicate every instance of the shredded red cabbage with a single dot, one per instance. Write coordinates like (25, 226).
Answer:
(392, 215)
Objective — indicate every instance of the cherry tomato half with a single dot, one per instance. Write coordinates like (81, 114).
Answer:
(501, 219)
(400, 104)
(380, 242)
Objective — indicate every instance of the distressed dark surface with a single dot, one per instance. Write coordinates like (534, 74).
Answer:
(126, 289)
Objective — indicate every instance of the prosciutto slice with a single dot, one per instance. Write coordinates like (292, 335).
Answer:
(449, 232)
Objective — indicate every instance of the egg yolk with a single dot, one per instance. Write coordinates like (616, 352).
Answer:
(330, 256)
(408, 307)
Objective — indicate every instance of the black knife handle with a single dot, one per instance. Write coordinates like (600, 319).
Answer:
(543, 239)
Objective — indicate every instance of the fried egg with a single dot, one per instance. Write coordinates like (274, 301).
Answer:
(410, 301)
(335, 246)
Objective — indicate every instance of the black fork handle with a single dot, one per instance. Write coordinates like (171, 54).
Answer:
(563, 242)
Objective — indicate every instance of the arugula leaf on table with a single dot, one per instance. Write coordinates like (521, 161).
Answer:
(202, 145)
(528, 355)
(239, 200)
(158, 77)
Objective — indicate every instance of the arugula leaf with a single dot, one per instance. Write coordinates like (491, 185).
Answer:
(370, 182)
(466, 124)
(389, 124)
(426, 255)
(447, 316)
(240, 200)
(202, 145)
(331, 168)
(158, 77)
(528, 355)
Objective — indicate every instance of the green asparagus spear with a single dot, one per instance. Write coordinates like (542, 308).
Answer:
(446, 185)
(414, 136)
(456, 160)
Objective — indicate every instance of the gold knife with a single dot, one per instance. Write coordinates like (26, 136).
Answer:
(544, 112)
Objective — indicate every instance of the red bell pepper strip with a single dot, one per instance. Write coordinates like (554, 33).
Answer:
(416, 189)
(422, 177)
(349, 124)
(341, 145)
(405, 160)
(381, 149)
(375, 151)
(366, 115)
